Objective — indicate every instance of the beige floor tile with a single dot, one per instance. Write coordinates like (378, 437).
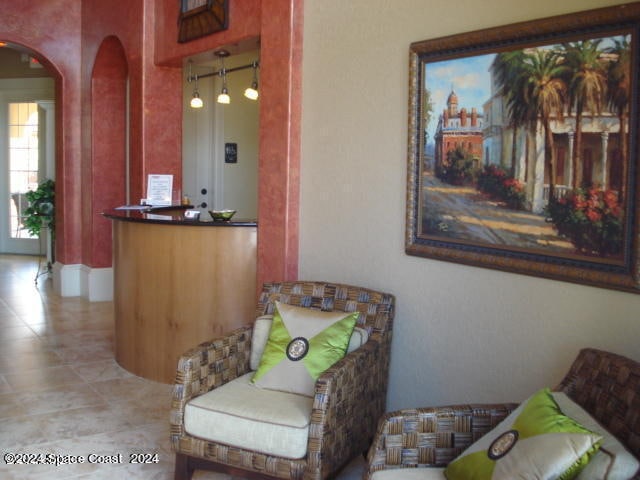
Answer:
(154, 410)
(57, 324)
(22, 345)
(9, 318)
(136, 389)
(56, 400)
(15, 362)
(20, 430)
(9, 407)
(9, 334)
(62, 392)
(100, 371)
(78, 338)
(111, 454)
(85, 353)
(42, 378)
(4, 386)
(32, 430)
(26, 306)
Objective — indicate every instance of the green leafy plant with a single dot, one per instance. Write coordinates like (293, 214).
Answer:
(592, 219)
(41, 211)
(459, 168)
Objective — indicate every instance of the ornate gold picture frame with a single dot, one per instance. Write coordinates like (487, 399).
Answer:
(523, 148)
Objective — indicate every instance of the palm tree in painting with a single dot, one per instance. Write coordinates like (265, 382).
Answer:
(587, 82)
(544, 94)
(618, 96)
(508, 72)
(533, 86)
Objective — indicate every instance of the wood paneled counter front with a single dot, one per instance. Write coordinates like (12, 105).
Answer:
(177, 283)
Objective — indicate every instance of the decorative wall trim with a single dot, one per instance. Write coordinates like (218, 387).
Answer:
(94, 284)
(97, 283)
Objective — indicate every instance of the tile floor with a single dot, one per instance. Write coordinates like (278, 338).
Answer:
(63, 394)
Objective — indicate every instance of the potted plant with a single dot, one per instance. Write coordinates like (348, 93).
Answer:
(41, 211)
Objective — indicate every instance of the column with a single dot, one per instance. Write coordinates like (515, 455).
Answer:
(538, 202)
(570, 138)
(604, 141)
(49, 108)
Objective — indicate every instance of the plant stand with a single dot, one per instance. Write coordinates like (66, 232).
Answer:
(45, 269)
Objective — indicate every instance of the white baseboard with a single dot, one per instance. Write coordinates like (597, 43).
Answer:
(94, 284)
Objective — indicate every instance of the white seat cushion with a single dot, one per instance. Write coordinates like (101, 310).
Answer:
(410, 474)
(242, 415)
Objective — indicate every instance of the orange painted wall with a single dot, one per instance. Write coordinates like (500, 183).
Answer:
(67, 34)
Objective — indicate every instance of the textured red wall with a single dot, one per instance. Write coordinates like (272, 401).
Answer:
(67, 35)
(279, 25)
(52, 30)
(104, 168)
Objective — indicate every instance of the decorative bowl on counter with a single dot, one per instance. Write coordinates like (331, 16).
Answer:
(221, 215)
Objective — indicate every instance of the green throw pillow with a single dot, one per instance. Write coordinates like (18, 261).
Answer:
(302, 344)
(535, 442)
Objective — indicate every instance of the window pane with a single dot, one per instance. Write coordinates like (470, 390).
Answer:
(23, 161)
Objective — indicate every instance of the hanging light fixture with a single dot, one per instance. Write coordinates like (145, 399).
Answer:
(224, 94)
(196, 101)
(223, 97)
(252, 92)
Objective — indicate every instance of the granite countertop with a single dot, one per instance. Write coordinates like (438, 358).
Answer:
(172, 215)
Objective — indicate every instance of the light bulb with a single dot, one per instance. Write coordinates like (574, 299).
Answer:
(224, 97)
(252, 92)
(196, 101)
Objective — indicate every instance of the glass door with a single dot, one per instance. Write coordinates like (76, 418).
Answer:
(22, 166)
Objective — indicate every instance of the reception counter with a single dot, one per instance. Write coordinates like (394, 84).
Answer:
(177, 283)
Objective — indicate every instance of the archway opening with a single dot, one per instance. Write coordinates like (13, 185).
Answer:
(107, 179)
(28, 86)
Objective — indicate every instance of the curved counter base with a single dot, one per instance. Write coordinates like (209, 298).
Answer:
(176, 286)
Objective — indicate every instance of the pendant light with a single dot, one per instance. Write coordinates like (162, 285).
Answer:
(224, 94)
(196, 101)
(252, 92)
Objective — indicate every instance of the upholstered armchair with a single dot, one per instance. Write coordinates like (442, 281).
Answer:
(412, 444)
(335, 423)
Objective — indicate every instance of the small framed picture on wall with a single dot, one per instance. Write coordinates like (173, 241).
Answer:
(198, 18)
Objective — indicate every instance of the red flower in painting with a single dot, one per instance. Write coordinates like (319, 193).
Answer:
(591, 219)
(610, 199)
(579, 202)
(500, 185)
(593, 215)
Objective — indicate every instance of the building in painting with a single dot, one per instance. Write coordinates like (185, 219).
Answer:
(520, 150)
(458, 128)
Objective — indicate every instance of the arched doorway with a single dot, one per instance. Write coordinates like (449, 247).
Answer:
(27, 142)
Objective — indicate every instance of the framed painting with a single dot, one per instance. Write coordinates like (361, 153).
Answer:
(198, 18)
(523, 148)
